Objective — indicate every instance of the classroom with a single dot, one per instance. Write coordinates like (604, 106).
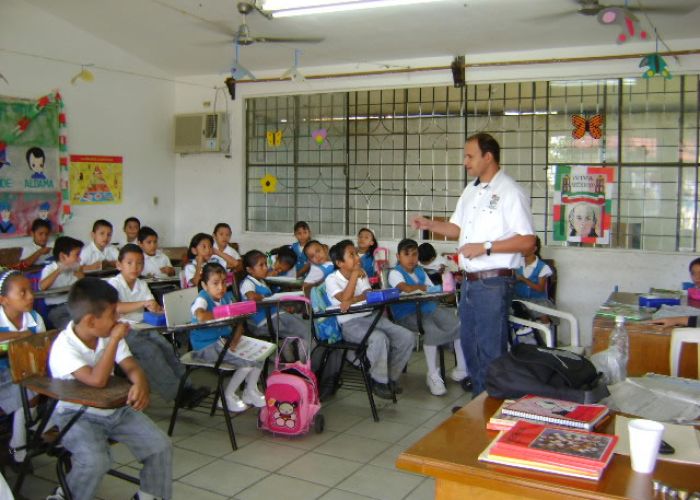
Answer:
(366, 129)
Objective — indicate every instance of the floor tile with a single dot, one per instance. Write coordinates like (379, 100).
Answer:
(223, 477)
(354, 448)
(186, 461)
(384, 430)
(321, 469)
(339, 420)
(306, 442)
(380, 483)
(214, 442)
(182, 491)
(424, 491)
(183, 429)
(387, 459)
(34, 487)
(406, 415)
(276, 486)
(342, 495)
(265, 455)
(411, 438)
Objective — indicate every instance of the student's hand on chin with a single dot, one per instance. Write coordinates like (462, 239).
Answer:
(138, 397)
(119, 331)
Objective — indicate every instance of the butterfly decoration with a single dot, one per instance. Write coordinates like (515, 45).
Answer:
(268, 183)
(627, 21)
(274, 138)
(656, 66)
(591, 125)
(319, 136)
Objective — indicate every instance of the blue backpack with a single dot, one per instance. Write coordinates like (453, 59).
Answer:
(327, 329)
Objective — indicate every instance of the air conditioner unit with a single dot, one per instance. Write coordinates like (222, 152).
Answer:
(200, 132)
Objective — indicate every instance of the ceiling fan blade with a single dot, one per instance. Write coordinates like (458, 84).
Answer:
(273, 39)
(666, 9)
(555, 16)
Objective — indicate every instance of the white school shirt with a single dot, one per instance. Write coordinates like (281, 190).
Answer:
(91, 254)
(492, 211)
(28, 322)
(191, 269)
(336, 283)
(66, 278)
(395, 278)
(436, 264)
(248, 285)
(30, 248)
(69, 354)
(315, 274)
(229, 250)
(152, 264)
(138, 293)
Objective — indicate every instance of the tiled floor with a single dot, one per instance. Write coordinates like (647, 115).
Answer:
(352, 459)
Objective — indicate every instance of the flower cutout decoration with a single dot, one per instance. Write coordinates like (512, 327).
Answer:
(269, 183)
(319, 135)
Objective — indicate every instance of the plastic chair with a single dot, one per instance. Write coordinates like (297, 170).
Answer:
(680, 336)
(546, 330)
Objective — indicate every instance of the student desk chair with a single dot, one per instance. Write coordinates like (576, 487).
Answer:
(29, 367)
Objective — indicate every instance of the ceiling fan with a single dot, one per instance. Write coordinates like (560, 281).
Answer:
(594, 7)
(243, 36)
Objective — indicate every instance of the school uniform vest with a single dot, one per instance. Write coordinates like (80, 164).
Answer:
(5, 362)
(327, 269)
(367, 262)
(525, 292)
(261, 316)
(202, 338)
(400, 311)
(301, 257)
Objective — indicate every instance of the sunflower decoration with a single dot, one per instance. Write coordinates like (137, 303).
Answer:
(269, 183)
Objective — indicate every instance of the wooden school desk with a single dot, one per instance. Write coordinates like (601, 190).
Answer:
(449, 454)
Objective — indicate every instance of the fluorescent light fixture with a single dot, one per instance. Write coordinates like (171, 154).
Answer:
(288, 8)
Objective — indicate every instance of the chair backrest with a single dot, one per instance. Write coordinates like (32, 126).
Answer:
(680, 336)
(551, 280)
(29, 356)
(177, 306)
(177, 255)
(9, 257)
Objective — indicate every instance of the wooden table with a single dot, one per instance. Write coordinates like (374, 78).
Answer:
(650, 345)
(449, 454)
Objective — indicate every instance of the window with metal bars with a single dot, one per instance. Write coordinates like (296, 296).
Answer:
(346, 160)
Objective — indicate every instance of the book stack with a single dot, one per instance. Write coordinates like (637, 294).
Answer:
(547, 410)
(552, 449)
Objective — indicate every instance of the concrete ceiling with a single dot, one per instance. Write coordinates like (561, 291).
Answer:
(174, 36)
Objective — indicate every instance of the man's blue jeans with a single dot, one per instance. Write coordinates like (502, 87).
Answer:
(483, 310)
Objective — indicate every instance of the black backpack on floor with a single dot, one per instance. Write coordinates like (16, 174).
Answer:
(546, 372)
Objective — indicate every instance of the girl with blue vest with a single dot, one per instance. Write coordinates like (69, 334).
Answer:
(531, 282)
(440, 325)
(366, 245)
(253, 287)
(302, 232)
(208, 342)
(321, 265)
(17, 320)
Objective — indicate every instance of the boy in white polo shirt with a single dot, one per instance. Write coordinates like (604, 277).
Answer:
(38, 252)
(99, 253)
(155, 262)
(87, 350)
(63, 272)
(150, 348)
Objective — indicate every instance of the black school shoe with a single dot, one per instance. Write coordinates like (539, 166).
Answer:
(394, 385)
(466, 384)
(193, 397)
(382, 390)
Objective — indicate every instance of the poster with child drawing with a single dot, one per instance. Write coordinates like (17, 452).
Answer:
(582, 204)
(19, 209)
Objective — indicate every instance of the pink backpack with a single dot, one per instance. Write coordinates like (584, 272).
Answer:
(292, 397)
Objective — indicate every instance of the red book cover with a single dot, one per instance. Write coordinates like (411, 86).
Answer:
(556, 411)
(556, 445)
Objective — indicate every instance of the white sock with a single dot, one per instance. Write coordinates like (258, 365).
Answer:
(431, 358)
(251, 380)
(145, 496)
(459, 354)
(19, 435)
(236, 379)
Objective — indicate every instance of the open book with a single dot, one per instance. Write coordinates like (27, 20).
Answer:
(252, 349)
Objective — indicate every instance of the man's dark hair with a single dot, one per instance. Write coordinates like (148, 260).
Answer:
(337, 251)
(145, 232)
(101, 223)
(39, 223)
(487, 144)
(65, 244)
(426, 252)
(90, 296)
(406, 244)
(129, 248)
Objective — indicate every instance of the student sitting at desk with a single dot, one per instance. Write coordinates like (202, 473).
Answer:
(132, 226)
(155, 262)
(283, 262)
(223, 253)
(38, 252)
(690, 321)
(155, 354)
(389, 346)
(208, 342)
(366, 245)
(302, 232)
(253, 287)
(99, 252)
(200, 252)
(17, 319)
(62, 272)
(87, 350)
(439, 325)
(321, 265)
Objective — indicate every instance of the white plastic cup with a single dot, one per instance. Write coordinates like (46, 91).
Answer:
(645, 437)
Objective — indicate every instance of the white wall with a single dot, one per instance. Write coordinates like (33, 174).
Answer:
(118, 114)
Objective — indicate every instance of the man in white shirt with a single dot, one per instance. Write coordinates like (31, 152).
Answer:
(494, 225)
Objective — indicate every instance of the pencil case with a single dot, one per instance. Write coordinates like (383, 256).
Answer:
(378, 296)
(694, 293)
(235, 309)
(656, 302)
(155, 319)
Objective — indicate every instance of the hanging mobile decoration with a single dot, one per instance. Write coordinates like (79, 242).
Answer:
(655, 64)
(269, 183)
(274, 138)
(319, 136)
(592, 125)
(627, 21)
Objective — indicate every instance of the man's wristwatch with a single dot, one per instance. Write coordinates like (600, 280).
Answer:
(487, 246)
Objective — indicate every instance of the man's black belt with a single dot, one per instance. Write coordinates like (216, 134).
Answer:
(491, 273)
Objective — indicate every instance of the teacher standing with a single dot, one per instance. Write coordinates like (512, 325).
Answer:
(494, 226)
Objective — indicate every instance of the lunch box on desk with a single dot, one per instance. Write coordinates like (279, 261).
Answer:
(378, 296)
(155, 319)
(235, 309)
(656, 302)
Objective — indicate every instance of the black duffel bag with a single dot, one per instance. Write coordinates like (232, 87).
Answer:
(546, 372)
